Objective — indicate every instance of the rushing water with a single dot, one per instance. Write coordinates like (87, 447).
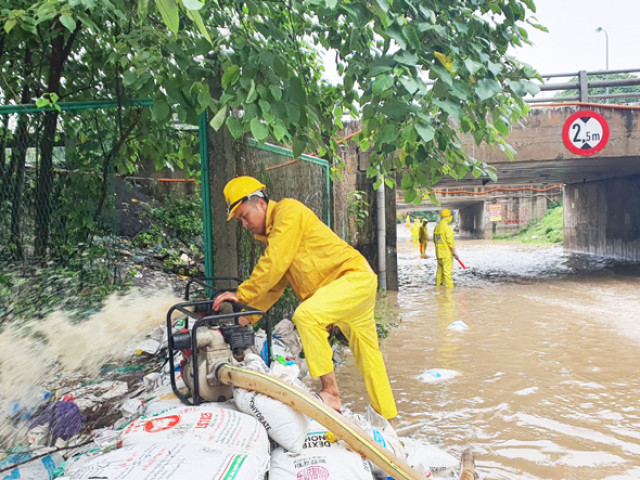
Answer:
(543, 384)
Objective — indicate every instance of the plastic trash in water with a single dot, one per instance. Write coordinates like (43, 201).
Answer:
(436, 375)
(64, 419)
(458, 325)
(41, 468)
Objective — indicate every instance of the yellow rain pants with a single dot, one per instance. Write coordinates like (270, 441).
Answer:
(347, 303)
(444, 272)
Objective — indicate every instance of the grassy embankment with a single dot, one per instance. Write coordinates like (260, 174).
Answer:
(547, 229)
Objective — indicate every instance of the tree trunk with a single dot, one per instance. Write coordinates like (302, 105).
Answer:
(44, 184)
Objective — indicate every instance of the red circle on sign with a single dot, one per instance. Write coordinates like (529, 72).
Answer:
(570, 134)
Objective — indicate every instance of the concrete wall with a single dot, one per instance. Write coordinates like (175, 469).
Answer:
(603, 218)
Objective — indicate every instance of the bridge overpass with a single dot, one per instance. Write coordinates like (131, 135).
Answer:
(560, 145)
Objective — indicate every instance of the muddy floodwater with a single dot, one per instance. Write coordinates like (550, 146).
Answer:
(544, 383)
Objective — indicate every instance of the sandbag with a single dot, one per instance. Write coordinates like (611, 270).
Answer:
(168, 460)
(319, 459)
(208, 424)
(382, 432)
(427, 458)
(284, 425)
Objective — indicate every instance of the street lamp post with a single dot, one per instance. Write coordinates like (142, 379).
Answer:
(606, 39)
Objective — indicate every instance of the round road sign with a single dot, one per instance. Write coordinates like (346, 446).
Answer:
(585, 133)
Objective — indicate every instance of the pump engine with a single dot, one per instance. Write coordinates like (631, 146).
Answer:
(208, 339)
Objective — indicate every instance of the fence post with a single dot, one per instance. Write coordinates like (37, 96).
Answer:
(583, 86)
(207, 232)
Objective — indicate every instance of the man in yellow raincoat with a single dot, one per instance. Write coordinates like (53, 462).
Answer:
(423, 237)
(334, 282)
(445, 248)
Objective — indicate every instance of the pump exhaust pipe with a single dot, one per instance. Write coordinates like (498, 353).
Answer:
(301, 401)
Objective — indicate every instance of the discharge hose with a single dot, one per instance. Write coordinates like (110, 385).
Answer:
(301, 401)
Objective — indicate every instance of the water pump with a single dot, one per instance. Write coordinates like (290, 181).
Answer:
(207, 339)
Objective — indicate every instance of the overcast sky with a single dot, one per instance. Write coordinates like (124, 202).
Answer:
(573, 44)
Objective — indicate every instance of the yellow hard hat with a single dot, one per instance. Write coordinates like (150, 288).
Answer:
(238, 190)
(445, 212)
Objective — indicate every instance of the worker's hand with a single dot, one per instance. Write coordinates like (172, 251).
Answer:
(224, 297)
(244, 321)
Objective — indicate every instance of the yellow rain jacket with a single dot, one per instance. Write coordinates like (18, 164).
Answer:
(443, 238)
(336, 285)
(302, 251)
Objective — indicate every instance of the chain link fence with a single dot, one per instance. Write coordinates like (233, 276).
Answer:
(74, 224)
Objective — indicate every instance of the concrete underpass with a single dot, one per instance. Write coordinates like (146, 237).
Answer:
(600, 190)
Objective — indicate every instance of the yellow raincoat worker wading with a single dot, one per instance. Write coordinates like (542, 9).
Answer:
(336, 285)
(443, 238)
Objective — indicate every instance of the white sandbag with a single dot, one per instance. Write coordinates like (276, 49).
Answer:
(284, 425)
(160, 400)
(170, 460)
(382, 432)
(319, 459)
(427, 458)
(207, 424)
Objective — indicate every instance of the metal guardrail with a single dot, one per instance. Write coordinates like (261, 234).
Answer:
(583, 84)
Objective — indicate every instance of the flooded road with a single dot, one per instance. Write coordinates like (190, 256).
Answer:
(543, 384)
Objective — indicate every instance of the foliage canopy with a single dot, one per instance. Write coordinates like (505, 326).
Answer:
(416, 73)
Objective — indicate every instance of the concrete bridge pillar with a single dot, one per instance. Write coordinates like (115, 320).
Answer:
(603, 218)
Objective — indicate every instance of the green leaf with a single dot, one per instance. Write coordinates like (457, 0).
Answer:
(218, 120)
(258, 129)
(381, 84)
(275, 92)
(143, 9)
(160, 111)
(251, 95)
(487, 88)
(192, 4)
(230, 76)
(9, 24)
(426, 132)
(452, 108)
(406, 58)
(383, 5)
(68, 22)
(279, 132)
(129, 78)
(197, 21)
(389, 134)
(472, 65)
(170, 15)
(299, 146)
(293, 113)
(297, 92)
(410, 84)
(236, 129)
(396, 110)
